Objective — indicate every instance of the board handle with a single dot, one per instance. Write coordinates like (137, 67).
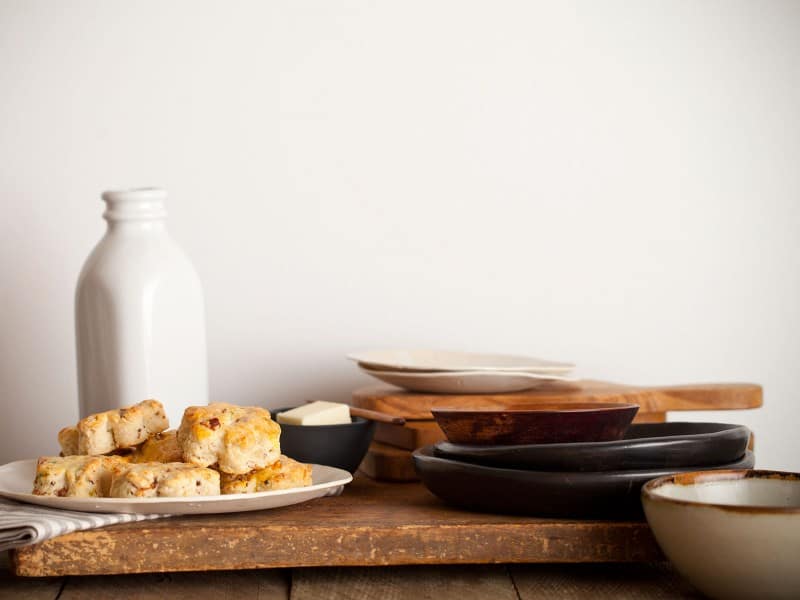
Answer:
(374, 415)
(711, 396)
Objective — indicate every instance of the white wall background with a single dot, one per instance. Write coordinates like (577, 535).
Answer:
(613, 183)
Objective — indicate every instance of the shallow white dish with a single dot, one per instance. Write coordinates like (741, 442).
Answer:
(445, 360)
(465, 382)
(733, 534)
(16, 482)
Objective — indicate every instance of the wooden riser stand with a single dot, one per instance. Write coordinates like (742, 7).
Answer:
(389, 456)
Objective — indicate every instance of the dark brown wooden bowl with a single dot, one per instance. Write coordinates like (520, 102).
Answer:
(542, 424)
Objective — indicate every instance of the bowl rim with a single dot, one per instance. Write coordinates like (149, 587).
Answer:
(650, 493)
(428, 453)
(725, 430)
(546, 408)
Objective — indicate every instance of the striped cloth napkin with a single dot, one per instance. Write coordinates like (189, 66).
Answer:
(23, 524)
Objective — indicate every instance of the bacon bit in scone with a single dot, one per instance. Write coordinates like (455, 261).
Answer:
(213, 423)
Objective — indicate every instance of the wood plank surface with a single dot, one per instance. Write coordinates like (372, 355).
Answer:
(657, 581)
(637, 581)
(476, 582)
(371, 524)
(272, 584)
(715, 396)
(26, 588)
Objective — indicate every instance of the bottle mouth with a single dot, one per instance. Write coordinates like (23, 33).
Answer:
(136, 204)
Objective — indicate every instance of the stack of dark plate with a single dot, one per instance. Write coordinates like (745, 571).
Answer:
(568, 460)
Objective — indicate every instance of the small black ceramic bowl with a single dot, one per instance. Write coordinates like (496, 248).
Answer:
(342, 446)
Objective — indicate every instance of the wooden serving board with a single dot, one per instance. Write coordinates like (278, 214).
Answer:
(651, 400)
(370, 524)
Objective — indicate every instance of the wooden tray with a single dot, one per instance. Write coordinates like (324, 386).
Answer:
(371, 523)
(652, 400)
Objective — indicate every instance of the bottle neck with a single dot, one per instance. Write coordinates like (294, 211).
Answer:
(141, 209)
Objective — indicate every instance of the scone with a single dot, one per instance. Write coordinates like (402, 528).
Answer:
(105, 432)
(68, 439)
(283, 474)
(147, 480)
(236, 439)
(161, 447)
(83, 476)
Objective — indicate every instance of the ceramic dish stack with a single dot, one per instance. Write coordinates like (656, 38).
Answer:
(446, 372)
(575, 461)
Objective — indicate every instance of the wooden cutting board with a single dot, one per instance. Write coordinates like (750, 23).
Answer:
(371, 523)
(658, 399)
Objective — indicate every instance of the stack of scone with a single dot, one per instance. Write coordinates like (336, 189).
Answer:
(128, 453)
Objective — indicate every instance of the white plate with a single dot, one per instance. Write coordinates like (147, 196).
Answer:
(443, 360)
(16, 482)
(465, 382)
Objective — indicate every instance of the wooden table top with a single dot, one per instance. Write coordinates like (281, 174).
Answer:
(596, 581)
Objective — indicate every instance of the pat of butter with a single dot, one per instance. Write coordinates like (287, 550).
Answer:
(316, 413)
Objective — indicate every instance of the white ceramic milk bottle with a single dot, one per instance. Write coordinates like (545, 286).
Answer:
(139, 313)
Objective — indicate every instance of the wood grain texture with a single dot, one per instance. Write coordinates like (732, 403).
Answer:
(388, 463)
(637, 581)
(656, 581)
(477, 582)
(378, 417)
(716, 396)
(35, 588)
(273, 584)
(542, 423)
(370, 524)
(412, 435)
(656, 417)
(27, 588)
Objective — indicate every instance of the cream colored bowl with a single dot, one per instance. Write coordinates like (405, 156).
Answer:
(732, 534)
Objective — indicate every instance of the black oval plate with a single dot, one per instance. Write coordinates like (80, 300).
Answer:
(608, 494)
(645, 446)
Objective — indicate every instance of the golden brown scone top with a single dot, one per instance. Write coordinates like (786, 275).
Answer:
(236, 438)
(161, 448)
(284, 473)
(111, 430)
(82, 476)
(68, 440)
